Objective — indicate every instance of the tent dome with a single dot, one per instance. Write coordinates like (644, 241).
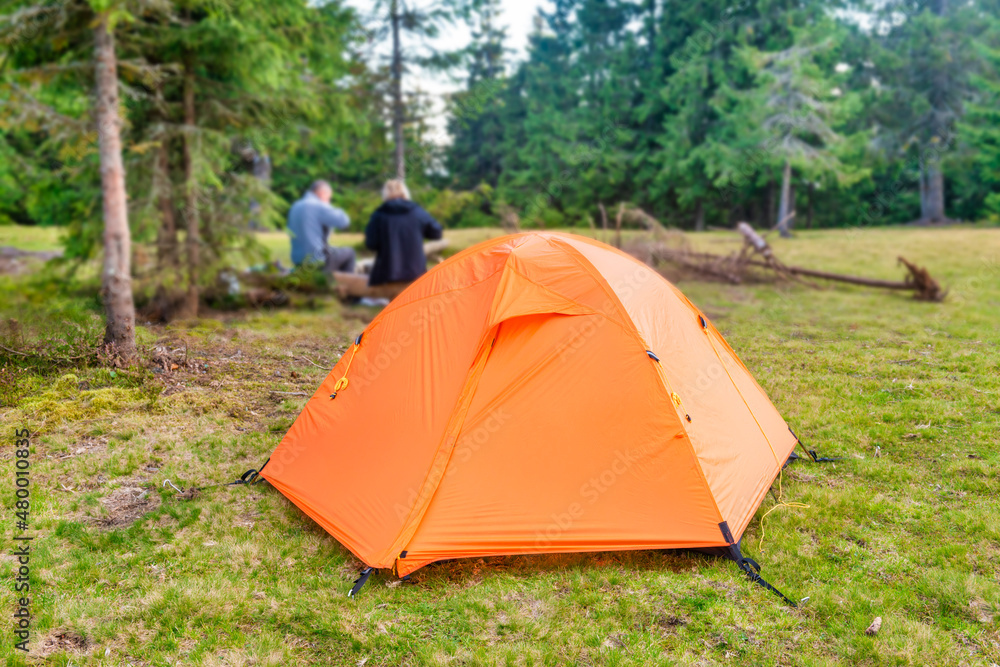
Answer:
(535, 393)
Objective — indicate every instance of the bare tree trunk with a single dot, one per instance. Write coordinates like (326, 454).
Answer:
(923, 192)
(116, 277)
(699, 217)
(166, 237)
(190, 194)
(785, 208)
(811, 190)
(935, 193)
(771, 212)
(398, 110)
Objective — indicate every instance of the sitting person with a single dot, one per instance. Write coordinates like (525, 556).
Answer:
(396, 232)
(310, 221)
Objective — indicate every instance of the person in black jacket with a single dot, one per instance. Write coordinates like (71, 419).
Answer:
(396, 232)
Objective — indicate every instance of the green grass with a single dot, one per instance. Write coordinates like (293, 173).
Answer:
(34, 239)
(239, 576)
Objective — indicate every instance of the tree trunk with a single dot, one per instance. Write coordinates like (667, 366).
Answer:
(190, 309)
(770, 203)
(785, 209)
(935, 193)
(398, 110)
(116, 277)
(166, 237)
(811, 190)
(923, 192)
(699, 217)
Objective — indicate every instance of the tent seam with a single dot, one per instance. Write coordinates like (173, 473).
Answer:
(497, 241)
(390, 310)
(493, 330)
(469, 378)
(742, 397)
(599, 278)
(543, 287)
(507, 265)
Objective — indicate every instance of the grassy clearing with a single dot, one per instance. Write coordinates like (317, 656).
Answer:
(33, 239)
(127, 573)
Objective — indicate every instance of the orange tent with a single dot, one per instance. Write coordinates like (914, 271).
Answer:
(539, 392)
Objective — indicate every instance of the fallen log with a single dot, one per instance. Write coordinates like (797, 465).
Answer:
(918, 280)
(755, 240)
(356, 285)
(432, 250)
(757, 252)
(726, 267)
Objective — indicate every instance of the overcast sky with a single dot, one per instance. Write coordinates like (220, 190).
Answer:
(517, 17)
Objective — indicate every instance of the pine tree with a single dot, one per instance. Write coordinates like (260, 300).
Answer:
(475, 124)
(538, 116)
(981, 126)
(116, 277)
(203, 81)
(689, 108)
(795, 117)
(74, 43)
(566, 113)
(238, 82)
(407, 25)
(924, 66)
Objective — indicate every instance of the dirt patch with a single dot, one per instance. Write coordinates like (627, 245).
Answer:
(87, 445)
(125, 506)
(62, 641)
(14, 261)
(982, 611)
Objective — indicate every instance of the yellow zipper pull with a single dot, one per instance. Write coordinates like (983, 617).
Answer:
(677, 401)
(342, 383)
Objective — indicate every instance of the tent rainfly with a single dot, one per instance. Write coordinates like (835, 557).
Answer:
(536, 393)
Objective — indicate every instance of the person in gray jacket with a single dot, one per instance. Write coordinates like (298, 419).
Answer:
(310, 221)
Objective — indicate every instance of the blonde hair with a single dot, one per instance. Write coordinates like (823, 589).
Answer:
(395, 189)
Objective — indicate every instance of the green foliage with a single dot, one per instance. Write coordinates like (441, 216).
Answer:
(980, 129)
(476, 122)
(469, 208)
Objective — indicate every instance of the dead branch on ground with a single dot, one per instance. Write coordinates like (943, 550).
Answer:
(757, 253)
